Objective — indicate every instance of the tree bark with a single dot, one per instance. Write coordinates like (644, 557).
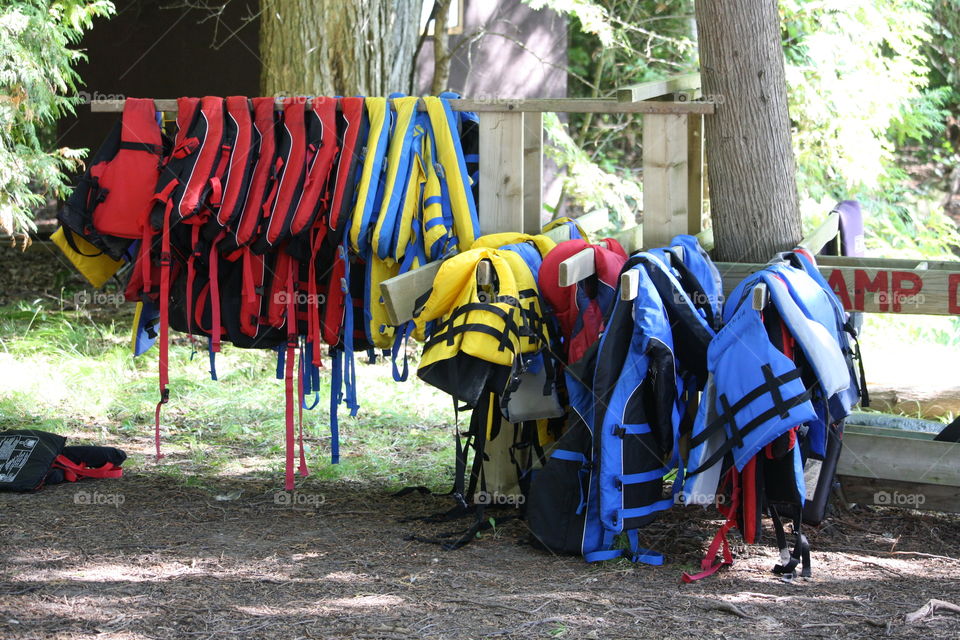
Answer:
(332, 47)
(441, 48)
(752, 177)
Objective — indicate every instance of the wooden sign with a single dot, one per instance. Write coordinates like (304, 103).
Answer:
(878, 285)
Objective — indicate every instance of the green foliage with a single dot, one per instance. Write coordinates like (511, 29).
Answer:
(588, 184)
(614, 43)
(37, 78)
(857, 80)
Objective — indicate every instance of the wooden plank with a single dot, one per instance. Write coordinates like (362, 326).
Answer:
(866, 454)
(594, 221)
(629, 285)
(890, 263)
(888, 421)
(823, 234)
(630, 239)
(577, 267)
(911, 495)
(532, 171)
(665, 193)
(503, 105)
(501, 172)
(878, 290)
(400, 293)
(695, 152)
(658, 88)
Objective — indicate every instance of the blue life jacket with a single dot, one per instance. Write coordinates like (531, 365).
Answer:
(628, 400)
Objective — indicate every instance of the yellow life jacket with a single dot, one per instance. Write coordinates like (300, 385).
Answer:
(452, 173)
(397, 178)
(91, 262)
(544, 244)
(378, 112)
(478, 333)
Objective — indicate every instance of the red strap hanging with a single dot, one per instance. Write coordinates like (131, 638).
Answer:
(304, 471)
(165, 260)
(288, 375)
(73, 471)
(709, 565)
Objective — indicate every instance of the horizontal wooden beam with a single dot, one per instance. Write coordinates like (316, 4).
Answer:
(877, 289)
(658, 88)
(888, 454)
(506, 105)
(911, 495)
(400, 293)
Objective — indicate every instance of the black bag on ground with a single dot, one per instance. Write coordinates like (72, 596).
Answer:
(26, 456)
(29, 459)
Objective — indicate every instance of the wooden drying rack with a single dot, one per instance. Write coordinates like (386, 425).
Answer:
(511, 166)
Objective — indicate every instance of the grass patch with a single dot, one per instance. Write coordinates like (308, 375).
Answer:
(72, 373)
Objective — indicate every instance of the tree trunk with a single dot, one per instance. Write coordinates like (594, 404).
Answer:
(441, 48)
(332, 47)
(752, 177)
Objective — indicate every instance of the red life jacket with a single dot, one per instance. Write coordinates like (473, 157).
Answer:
(581, 309)
(261, 191)
(129, 179)
(188, 188)
(350, 124)
(114, 197)
(238, 173)
(290, 168)
(321, 151)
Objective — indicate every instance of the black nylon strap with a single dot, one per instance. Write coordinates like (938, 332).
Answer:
(730, 443)
(68, 236)
(420, 302)
(448, 335)
(155, 149)
(770, 383)
(801, 549)
(864, 394)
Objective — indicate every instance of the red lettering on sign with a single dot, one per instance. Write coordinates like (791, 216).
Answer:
(953, 292)
(909, 296)
(839, 286)
(878, 286)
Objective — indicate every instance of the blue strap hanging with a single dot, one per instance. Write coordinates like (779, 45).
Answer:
(336, 395)
(310, 374)
(213, 359)
(281, 360)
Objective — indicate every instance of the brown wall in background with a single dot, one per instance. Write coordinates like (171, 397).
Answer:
(146, 51)
(522, 54)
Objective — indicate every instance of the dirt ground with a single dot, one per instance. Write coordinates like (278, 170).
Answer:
(147, 556)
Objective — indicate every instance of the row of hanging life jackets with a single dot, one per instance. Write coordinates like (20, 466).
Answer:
(272, 228)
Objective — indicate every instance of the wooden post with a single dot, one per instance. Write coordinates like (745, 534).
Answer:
(695, 174)
(666, 140)
(532, 171)
(501, 172)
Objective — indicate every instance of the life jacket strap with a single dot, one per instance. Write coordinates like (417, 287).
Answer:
(735, 435)
(73, 471)
(790, 559)
(709, 565)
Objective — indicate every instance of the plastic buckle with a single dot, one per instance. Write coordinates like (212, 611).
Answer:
(165, 259)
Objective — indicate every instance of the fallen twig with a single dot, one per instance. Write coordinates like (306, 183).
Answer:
(933, 605)
(726, 607)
